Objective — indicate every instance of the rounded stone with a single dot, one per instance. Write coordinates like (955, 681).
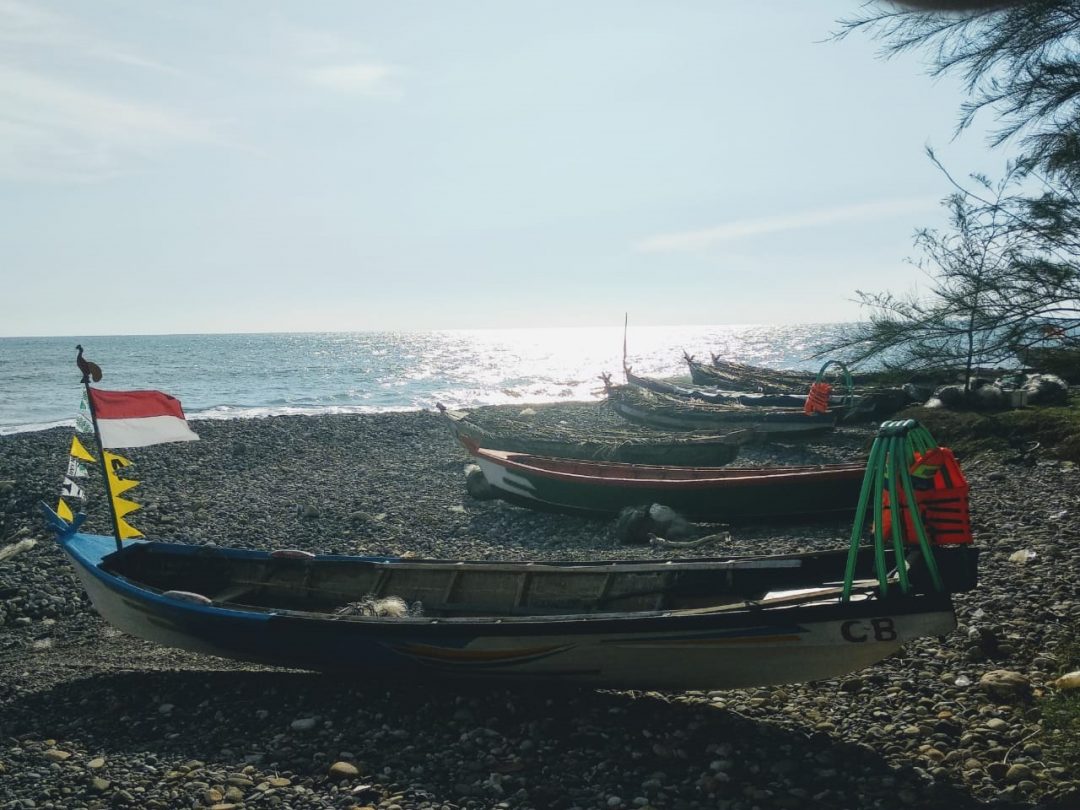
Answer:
(1068, 681)
(477, 485)
(344, 770)
(1005, 684)
(1018, 772)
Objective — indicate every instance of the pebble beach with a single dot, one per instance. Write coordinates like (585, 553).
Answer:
(92, 718)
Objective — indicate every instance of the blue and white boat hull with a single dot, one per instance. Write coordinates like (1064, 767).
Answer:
(655, 650)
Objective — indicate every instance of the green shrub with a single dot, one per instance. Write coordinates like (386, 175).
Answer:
(1056, 430)
(1061, 713)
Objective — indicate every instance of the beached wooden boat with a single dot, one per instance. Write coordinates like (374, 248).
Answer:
(741, 377)
(719, 396)
(633, 447)
(665, 412)
(698, 623)
(727, 494)
(730, 376)
(1064, 361)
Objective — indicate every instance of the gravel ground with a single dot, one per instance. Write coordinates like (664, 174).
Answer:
(91, 718)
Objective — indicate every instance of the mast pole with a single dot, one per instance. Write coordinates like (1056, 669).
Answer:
(104, 464)
(625, 324)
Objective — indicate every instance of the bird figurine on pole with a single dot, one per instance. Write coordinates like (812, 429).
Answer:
(90, 371)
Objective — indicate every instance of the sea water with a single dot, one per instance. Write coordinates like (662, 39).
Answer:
(253, 375)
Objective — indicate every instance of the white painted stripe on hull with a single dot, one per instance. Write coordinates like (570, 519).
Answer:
(116, 612)
(504, 479)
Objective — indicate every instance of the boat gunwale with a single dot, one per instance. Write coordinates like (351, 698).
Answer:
(507, 625)
(722, 478)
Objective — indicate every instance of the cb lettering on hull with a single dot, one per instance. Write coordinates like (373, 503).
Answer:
(857, 631)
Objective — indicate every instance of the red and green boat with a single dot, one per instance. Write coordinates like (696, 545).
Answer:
(728, 494)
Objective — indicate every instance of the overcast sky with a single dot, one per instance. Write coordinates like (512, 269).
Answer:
(344, 165)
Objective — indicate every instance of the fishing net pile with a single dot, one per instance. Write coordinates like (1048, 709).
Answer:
(389, 607)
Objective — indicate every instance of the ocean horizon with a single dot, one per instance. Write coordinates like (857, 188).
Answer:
(251, 375)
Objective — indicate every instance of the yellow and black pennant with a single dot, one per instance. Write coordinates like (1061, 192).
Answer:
(70, 489)
(80, 452)
(117, 487)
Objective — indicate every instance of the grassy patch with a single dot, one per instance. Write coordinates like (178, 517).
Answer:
(1057, 430)
(1061, 728)
(1061, 713)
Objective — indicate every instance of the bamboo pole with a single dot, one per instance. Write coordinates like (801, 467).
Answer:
(104, 464)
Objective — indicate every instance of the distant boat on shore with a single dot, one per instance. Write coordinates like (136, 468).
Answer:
(727, 494)
(745, 378)
(1064, 361)
(665, 412)
(742, 377)
(633, 447)
(718, 396)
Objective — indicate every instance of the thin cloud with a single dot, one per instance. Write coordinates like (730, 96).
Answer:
(703, 239)
(25, 23)
(131, 60)
(358, 78)
(306, 43)
(33, 28)
(59, 129)
(55, 130)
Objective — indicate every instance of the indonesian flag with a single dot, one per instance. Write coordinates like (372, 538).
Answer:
(139, 418)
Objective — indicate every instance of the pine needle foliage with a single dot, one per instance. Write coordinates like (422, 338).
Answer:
(997, 281)
(1019, 62)
(1004, 277)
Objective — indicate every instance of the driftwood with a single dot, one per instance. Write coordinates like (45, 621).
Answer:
(25, 544)
(707, 540)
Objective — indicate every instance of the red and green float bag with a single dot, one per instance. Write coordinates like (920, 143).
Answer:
(819, 396)
(941, 499)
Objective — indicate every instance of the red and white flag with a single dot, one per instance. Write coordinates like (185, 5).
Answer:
(139, 418)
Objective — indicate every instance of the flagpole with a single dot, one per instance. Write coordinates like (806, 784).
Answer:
(625, 324)
(104, 464)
